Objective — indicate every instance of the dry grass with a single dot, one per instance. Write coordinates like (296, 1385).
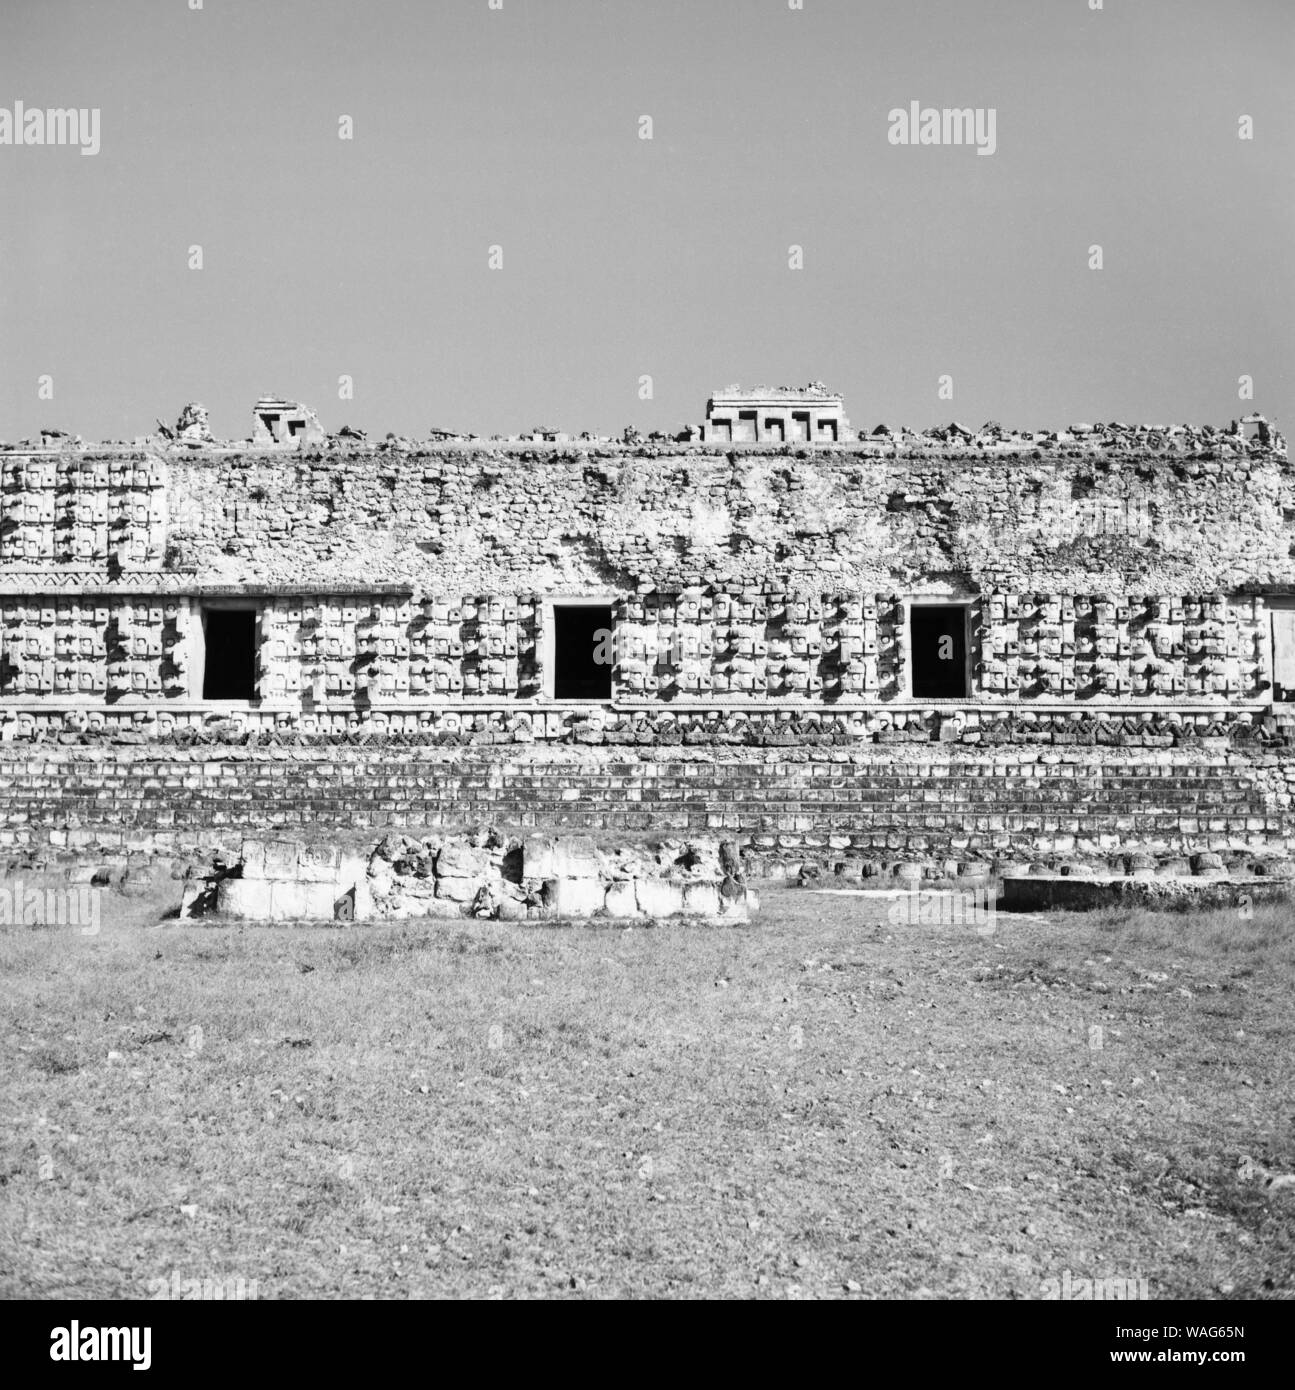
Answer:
(821, 1104)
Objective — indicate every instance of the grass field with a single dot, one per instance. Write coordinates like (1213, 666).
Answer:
(824, 1104)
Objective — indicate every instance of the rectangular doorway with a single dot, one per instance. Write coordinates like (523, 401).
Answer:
(938, 649)
(229, 668)
(582, 652)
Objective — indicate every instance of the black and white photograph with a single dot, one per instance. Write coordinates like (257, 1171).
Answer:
(647, 654)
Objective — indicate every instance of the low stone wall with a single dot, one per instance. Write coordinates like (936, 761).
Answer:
(283, 880)
(1077, 894)
(488, 875)
(494, 875)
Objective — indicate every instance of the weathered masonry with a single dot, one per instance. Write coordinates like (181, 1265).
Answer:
(895, 645)
(777, 415)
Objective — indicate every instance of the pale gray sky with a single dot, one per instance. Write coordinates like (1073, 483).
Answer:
(624, 257)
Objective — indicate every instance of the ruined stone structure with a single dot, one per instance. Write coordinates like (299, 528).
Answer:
(776, 415)
(487, 875)
(284, 422)
(970, 646)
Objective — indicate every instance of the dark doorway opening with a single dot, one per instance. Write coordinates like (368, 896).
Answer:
(938, 644)
(582, 652)
(230, 669)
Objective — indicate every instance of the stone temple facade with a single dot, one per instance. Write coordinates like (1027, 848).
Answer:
(980, 646)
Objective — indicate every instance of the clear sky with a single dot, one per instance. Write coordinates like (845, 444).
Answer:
(519, 127)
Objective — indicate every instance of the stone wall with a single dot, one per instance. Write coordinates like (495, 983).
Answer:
(762, 647)
(385, 577)
(1118, 588)
(83, 510)
(454, 521)
(1206, 516)
(485, 875)
(875, 805)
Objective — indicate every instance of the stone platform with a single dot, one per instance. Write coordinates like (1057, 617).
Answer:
(1040, 892)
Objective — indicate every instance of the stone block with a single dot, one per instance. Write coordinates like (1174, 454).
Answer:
(270, 859)
(574, 897)
(659, 897)
(463, 861)
(318, 864)
(281, 858)
(701, 899)
(458, 890)
(539, 858)
(291, 901)
(246, 898)
(621, 900)
(1208, 865)
(550, 857)
(253, 858)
